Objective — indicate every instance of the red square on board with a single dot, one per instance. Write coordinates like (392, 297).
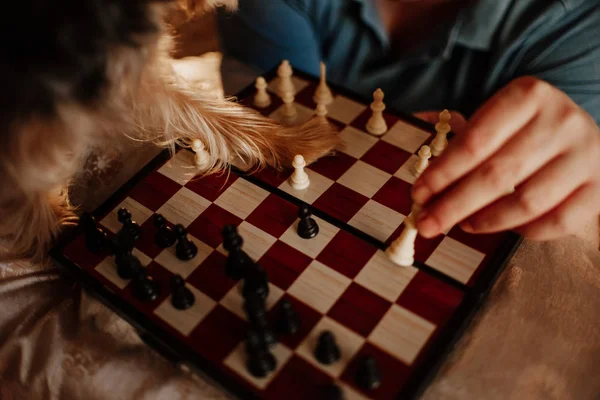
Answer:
(272, 176)
(218, 334)
(283, 264)
(386, 157)
(359, 309)
(340, 202)
(146, 243)
(211, 186)
(333, 167)
(394, 373)
(430, 298)
(305, 96)
(207, 227)
(346, 254)
(298, 380)
(396, 195)
(78, 253)
(154, 190)
(307, 316)
(274, 215)
(210, 277)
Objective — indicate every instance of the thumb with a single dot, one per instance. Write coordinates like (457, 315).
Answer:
(458, 121)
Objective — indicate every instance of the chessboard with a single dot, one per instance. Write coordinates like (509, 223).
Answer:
(283, 293)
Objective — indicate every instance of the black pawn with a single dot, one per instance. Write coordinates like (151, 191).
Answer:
(185, 249)
(287, 320)
(165, 237)
(367, 374)
(145, 288)
(237, 261)
(128, 265)
(333, 392)
(327, 351)
(182, 298)
(307, 226)
(130, 228)
(260, 361)
(95, 238)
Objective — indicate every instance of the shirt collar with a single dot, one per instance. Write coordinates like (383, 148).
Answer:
(474, 27)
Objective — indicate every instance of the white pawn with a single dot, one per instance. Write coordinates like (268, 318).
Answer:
(299, 179)
(201, 158)
(321, 110)
(262, 98)
(423, 161)
(289, 109)
(440, 142)
(402, 250)
(376, 124)
(285, 84)
(323, 94)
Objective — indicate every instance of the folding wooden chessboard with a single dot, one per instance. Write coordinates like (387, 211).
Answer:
(340, 281)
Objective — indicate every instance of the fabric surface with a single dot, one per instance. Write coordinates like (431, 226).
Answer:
(536, 337)
(466, 60)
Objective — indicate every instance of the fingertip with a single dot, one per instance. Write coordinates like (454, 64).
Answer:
(420, 193)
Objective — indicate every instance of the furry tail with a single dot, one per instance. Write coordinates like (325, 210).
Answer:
(231, 132)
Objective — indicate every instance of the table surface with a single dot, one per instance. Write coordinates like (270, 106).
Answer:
(536, 336)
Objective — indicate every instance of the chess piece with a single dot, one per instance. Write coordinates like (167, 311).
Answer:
(128, 265)
(165, 237)
(327, 351)
(130, 231)
(307, 226)
(145, 288)
(440, 142)
(367, 374)
(323, 93)
(261, 98)
(237, 261)
(321, 110)
(182, 298)
(376, 125)
(201, 157)
(256, 312)
(299, 179)
(288, 322)
(95, 238)
(285, 83)
(255, 283)
(185, 249)
(289, 108)
(423, 161)
(333, 392)
(259, 360)
(402, 250)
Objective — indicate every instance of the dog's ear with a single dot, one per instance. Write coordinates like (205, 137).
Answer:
(201, 6)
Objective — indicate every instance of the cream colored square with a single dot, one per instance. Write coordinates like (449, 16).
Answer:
(349, 393)
(377, 220)
(241, 198)
(345, 110)
(407, 171)
(382, 276)
(319, 286)
(455, 259)
(303, 114)
(139, 214)
(186, 320)
(364, 179)
(318, 185)
(168, 258)
(356, 142)
(401, 333)
(299, 84)
(108, 268)
(405, 136)
(310, 247)
(348, 342)
(236, 360)
(181, 168)
(184, 207)
(256, 241)
(234, 302)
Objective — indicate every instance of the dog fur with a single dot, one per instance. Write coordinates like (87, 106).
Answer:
(76, 71)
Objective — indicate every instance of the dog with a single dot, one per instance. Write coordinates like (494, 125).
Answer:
(76, 71)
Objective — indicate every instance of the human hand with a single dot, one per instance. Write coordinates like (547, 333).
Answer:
(531, 138)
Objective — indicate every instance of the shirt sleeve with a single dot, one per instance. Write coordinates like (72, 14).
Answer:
(567, 55)
(263, 35)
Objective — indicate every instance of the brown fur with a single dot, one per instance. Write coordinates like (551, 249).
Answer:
(145, 102)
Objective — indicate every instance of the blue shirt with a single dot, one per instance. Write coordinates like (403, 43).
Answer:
(465, 62)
